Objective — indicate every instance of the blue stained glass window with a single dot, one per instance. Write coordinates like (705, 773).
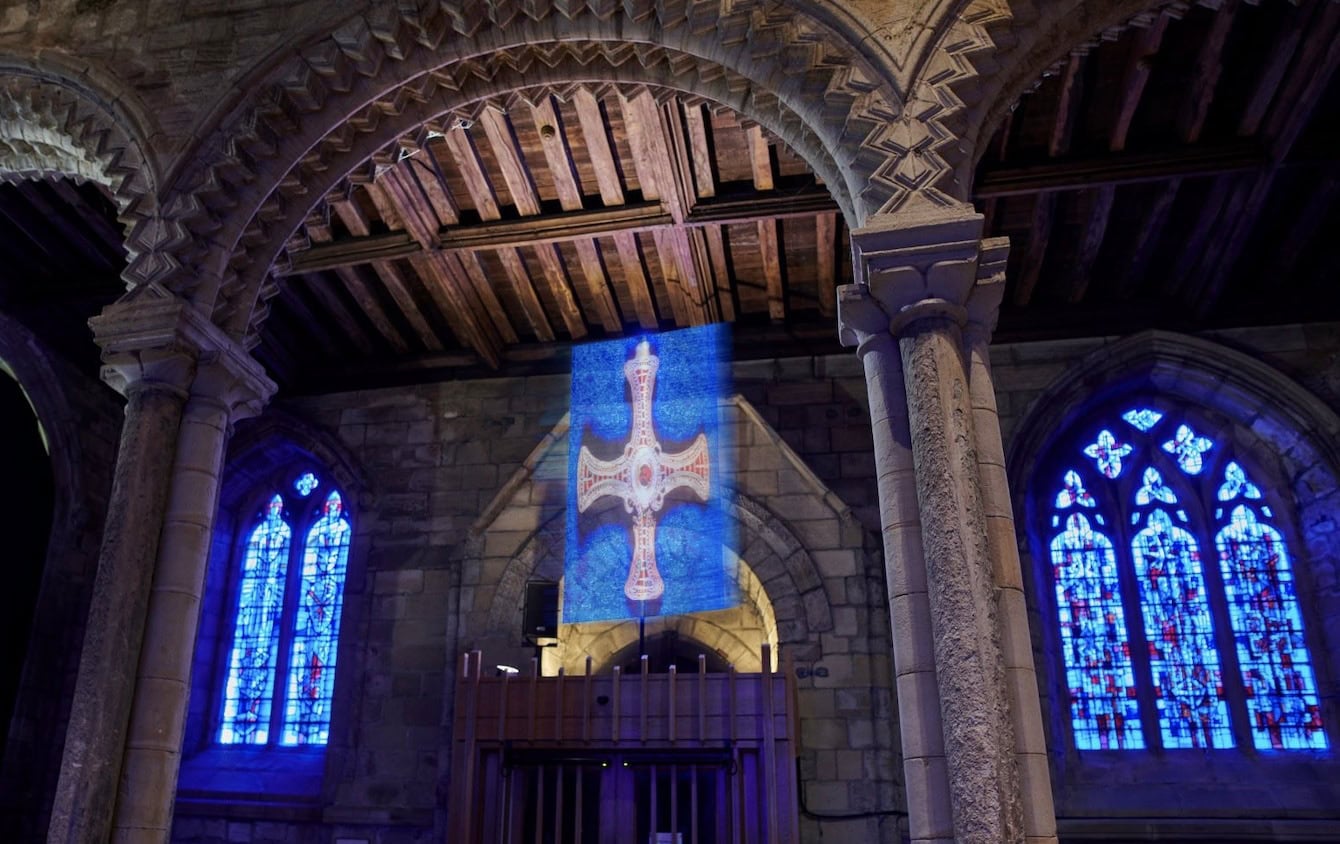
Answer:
(1153, 489)
(306, 483)
(1188, 447)
(316, 628)
(1073, 492)
(1265, 687)
(1183, 660)
(1142, 418)
(1103, 709)
(1107, 452)
(252, 660)
(1284, 712)
(1236, 483)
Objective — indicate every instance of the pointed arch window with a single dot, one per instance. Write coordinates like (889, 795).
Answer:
(286, 620)
(1176, 602)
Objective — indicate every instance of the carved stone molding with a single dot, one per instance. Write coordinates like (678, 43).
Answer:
(54, 126)
(270, 161)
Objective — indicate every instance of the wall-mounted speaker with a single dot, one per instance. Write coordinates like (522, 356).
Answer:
(540, 614)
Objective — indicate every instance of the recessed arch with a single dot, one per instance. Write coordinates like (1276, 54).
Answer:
(393, 63)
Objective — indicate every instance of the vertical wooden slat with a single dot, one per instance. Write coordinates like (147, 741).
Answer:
(674, 803)
(769, 755)
(652, 826)
(639, 290)
(598, 147)
(671, 702)
(558, 804)
(474, 660)
(503, 697)
(702, 697)
(586, 702)
(716, 251)
(1138, 66)
(577, 808)
(534, 698)
(539, 803)
(644, 703)
(772, 269)
(704, 175)
(694, 783)
(558, 705)
(616, 691)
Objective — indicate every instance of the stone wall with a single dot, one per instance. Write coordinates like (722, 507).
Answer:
(465, 482)
(82, 421)
(1285, 414)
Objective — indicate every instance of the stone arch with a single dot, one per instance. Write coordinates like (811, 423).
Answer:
(1279, 422)
(321, 112)
(985, 54)
(83, 126)
(789, 593)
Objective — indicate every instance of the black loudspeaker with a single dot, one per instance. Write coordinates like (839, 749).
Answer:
(540, 615)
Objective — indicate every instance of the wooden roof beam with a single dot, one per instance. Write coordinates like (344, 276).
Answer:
(1040, 232)
(1205, 77)
(499, 131)
(647, 137)
(556, 228)
(466, 156)
(1303, 90)
(1095, 231)
(1121, 169)
(761, 160)
(363, 294)
(1138, 67)
(558, 155)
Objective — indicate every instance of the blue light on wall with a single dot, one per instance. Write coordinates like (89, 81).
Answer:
(646, 527)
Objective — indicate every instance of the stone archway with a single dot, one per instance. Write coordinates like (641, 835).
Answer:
(57, 125)
(322, 112)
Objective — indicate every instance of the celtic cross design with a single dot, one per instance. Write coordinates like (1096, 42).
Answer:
(642, 476)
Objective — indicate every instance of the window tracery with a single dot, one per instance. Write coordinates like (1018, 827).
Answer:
(1219, 656)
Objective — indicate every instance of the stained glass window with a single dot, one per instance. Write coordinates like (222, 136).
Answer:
(1283, 710)
(286, 624)
(1142, 418)
(316, 628)
(1107, 452)
(1097, 651)
(1182, 657)
(251, 666)
(1164, 682)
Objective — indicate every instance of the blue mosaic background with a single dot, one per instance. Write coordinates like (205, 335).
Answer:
(690, 535)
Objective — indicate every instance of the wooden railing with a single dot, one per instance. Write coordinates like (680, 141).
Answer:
(617, 758)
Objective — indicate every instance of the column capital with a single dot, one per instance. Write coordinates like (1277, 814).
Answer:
(918, 264)
(150, 338)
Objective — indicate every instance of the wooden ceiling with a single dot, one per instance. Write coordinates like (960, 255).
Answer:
(1184, 175)
(491, 240)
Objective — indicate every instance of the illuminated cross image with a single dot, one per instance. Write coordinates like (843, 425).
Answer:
(642, 476)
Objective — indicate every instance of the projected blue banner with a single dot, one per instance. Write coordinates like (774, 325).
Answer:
(646, 526)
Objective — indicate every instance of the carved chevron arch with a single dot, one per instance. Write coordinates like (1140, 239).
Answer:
(987, 54)
(799, 77)
(52, 124)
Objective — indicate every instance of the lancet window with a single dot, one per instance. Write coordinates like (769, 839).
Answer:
(286, 619)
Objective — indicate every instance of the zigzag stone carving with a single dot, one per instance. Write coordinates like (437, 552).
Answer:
(264, 169)
(50, 126)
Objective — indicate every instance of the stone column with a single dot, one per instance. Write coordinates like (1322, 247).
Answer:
(229, 386)
(157, 351)
(1021, 683)
(920, 283)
